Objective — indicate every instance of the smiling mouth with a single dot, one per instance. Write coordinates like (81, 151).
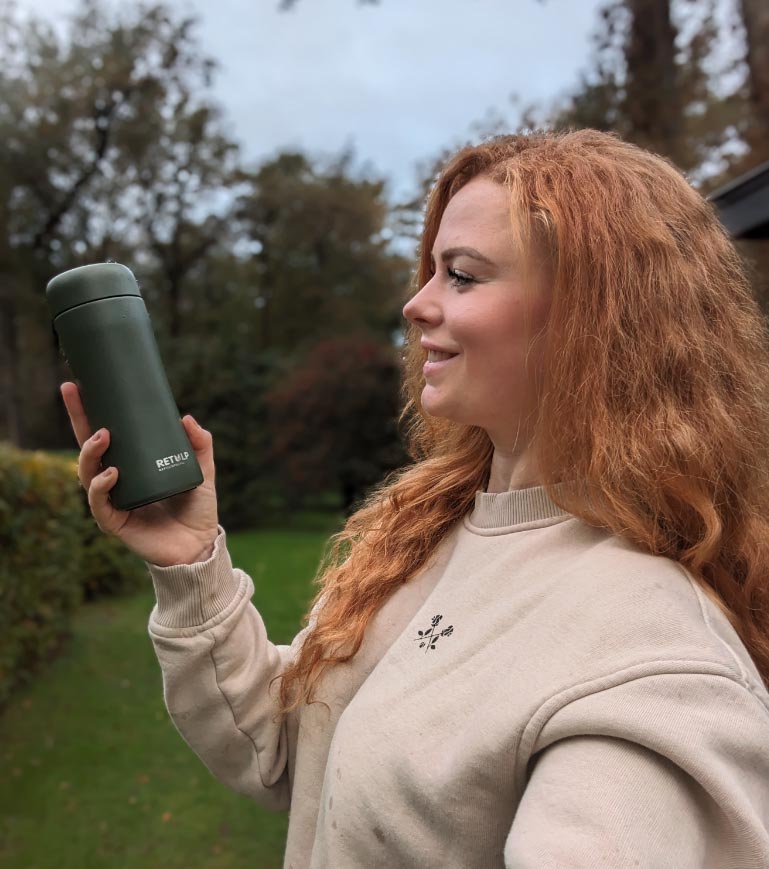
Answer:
(432, 367)
(439, 356)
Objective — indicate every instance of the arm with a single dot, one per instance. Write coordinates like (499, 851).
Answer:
(217, 662)
(666, 770)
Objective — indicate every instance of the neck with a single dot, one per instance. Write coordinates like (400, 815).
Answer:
(512, 470)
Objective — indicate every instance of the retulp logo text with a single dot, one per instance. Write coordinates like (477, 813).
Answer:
(172, 461)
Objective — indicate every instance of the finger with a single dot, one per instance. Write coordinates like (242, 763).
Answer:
(107, 517)
(203, 443)
(74, 404)
(89, 461)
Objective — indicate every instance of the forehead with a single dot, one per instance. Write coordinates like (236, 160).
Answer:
(478, 214)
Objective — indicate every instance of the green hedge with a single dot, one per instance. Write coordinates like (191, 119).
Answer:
(52, 558)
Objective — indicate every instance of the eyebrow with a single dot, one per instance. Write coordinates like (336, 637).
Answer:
(452, 252)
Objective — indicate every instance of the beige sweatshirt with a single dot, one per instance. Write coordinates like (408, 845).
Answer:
(541, 695)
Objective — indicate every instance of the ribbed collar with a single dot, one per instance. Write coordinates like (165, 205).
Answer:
(513, 509)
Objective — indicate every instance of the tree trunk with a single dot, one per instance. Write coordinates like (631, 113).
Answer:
(755, 17)
(10, 400)
(653, 89)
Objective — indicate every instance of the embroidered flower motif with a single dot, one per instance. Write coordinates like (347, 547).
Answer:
(427, 639)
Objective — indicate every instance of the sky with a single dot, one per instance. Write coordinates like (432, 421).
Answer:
(398, 82)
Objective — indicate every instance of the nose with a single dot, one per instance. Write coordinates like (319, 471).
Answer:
(422, 308)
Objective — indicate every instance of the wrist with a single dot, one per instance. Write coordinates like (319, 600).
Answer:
(200, 555)
(206, 552)
(203, 554)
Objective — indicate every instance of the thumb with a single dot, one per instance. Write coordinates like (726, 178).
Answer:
(202, 442)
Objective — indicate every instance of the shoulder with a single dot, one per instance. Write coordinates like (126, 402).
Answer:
(651, 658)
(621, 606)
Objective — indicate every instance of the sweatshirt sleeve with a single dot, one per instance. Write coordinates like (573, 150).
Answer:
(217, 663)
(664, 770)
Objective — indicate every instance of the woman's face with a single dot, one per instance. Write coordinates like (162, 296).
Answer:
(473, 306)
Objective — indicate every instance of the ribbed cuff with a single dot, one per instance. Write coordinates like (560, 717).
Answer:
(190, 594)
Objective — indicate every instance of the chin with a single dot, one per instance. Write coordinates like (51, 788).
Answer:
(443, 410)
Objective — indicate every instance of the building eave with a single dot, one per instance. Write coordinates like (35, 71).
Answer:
(743, 204)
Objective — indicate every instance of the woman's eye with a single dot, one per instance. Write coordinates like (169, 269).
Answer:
(459, 279)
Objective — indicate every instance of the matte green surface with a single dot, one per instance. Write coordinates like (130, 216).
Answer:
(93, 772)
(87, 283)
(109, 344)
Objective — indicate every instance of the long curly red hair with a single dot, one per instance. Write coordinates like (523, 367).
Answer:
(655, 393)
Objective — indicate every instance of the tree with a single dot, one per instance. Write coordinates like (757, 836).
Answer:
(107, 145)
(189, 164)
(323, 263)
(755, 17)
(653, 91)
(658, 88)
(334, 419)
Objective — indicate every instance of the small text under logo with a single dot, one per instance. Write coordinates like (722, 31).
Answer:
(172, 461)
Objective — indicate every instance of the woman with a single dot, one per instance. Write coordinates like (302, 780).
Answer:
(544, 643)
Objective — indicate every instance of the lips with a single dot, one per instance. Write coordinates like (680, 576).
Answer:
(433, 367)
(427, 345)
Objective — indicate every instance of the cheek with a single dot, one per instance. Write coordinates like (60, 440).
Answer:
(490, 333)
(495, 352)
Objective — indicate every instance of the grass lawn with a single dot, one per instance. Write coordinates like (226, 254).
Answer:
(92, 771)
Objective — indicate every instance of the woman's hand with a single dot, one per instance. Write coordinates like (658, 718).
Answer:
(177, 530)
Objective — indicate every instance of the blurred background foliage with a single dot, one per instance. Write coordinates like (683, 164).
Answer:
(53, 558)
(276, 290)
(113, 150)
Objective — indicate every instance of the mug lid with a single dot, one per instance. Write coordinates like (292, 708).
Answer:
(89, 283)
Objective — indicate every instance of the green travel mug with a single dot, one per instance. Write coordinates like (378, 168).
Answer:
(105, 334)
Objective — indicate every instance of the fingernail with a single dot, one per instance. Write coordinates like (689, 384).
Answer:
(108, 472)
(97, 436)
(194, 421)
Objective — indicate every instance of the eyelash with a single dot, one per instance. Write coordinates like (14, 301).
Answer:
(459, 279)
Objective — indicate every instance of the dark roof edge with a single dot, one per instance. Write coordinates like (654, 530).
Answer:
(755, 179)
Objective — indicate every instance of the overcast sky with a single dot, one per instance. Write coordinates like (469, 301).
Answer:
(398, 81)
